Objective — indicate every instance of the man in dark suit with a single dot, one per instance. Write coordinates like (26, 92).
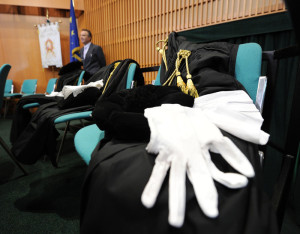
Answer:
(92, 55)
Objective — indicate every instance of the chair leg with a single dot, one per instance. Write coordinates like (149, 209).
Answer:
(12, 156)
(62, 142)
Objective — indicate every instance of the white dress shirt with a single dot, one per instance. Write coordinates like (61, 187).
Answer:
(86, 48)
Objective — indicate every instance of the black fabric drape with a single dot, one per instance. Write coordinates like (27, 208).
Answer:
(207, 60)
(118, 173)
(121, 115)
(22, 116)
(282, 99)
(39, 136)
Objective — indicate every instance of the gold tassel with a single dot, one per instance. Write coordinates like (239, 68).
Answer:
(191, 89)
(180, 83)
(188, 88)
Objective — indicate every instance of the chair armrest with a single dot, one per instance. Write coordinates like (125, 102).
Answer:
(31, 105)
(73, 116)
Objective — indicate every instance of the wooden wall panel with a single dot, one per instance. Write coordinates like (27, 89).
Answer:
(19, 46)
(130, 28)
(58, 4)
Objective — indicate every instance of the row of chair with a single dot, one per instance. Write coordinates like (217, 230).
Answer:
(28, 87)
(85, 145)
(4, 70)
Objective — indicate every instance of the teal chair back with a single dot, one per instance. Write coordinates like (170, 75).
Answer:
(80, 78)
(157, 79)
(86, 140)
(247, 67)
(8, 86)
(51, 85)
(88, 137)
(29, 86)
(4, 70)
(130, 75)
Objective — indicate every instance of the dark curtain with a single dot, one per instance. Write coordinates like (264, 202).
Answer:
(282, 100)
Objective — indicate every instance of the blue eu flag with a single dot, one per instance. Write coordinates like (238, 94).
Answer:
(74, 40)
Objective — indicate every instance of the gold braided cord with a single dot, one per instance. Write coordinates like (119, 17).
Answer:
(187, 65)
(172, 76)
(163, 51)
(180, 83)
(188, 88)
(110, 75)
(170, 79)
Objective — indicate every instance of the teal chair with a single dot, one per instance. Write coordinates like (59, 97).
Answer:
(88, 137)
(249, 58)
(80, 78)
(51, 85)
(86, 140)
(50, 88)
(28, 88)
(4, 70)
(65, 118)
(9, 88)
(86, 115)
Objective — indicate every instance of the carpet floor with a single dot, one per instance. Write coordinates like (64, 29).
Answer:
(47, 200)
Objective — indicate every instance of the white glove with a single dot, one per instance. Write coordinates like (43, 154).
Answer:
(211, 139)
(235, 113)
(184, 150)
(173, 140)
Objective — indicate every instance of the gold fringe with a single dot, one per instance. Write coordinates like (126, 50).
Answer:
(180, 83)
(191, 89)
(188, 88)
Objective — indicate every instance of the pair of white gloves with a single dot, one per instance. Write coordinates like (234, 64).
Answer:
(75, 90)
(182, 137)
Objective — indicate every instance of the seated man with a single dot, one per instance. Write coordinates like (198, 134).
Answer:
(92, 55)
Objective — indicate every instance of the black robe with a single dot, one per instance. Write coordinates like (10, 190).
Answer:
(118, 173)
(36, 137)
(120, 167)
